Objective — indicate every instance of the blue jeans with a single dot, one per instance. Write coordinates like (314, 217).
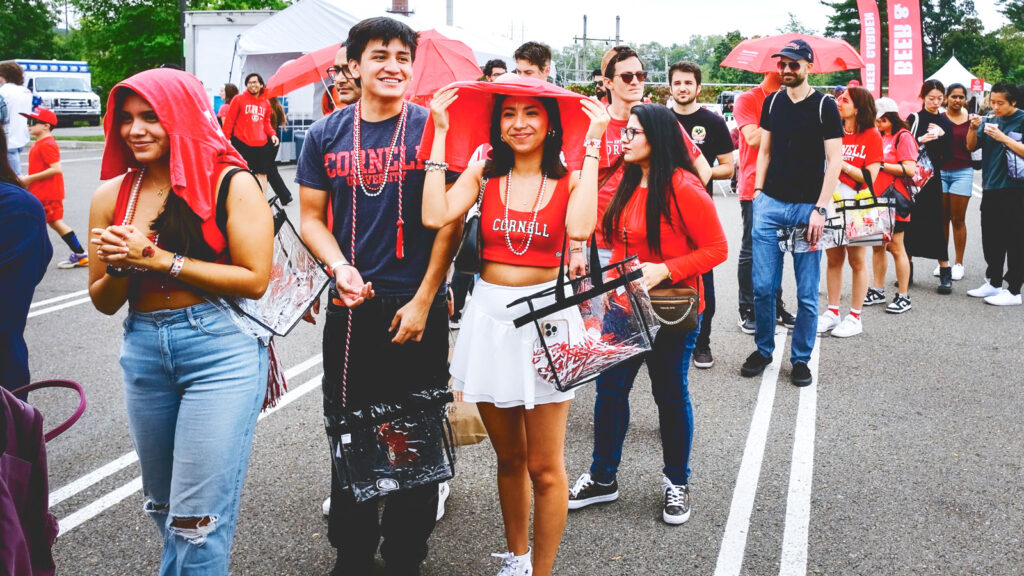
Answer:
(14, 159)
(770, 215)
(668, 364)
(194, 385)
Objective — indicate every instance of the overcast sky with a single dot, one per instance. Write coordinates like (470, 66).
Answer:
(666, 21)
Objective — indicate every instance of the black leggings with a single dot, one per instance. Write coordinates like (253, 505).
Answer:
(1002, 236)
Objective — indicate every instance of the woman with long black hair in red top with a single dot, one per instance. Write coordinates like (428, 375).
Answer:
(662, 214)
(530, 204)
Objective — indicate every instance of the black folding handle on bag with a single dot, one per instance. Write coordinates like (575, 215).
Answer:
(598, 285)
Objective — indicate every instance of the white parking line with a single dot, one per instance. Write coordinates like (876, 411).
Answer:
(801, 474)
(58, 298)
(58, 307)
(734, 540)
(129, 458)
(90, 159)
(114, 497)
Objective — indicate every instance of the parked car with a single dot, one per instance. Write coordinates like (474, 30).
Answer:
(64, 86)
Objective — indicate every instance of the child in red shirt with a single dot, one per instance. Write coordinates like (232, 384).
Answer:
(45, 181)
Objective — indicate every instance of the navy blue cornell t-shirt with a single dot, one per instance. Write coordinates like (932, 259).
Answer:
(798, 134)
(326, 164)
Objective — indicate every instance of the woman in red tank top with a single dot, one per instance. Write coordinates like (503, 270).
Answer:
(530, 203)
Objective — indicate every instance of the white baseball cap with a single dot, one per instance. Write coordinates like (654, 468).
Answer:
(883, 105)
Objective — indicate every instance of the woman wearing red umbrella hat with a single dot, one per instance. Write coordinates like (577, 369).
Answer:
(530, 203)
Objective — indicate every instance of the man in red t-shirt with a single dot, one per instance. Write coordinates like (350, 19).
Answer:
(45, 181)
(747, 113)
(624, 86)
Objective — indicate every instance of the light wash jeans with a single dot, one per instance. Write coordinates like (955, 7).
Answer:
(770, 215)
(14, 159)
(194, 385)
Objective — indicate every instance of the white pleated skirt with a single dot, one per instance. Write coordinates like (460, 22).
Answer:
(493, 360)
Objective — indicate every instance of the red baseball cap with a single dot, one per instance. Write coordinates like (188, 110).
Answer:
(44, 115)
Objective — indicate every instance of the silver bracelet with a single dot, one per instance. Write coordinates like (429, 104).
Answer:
(176, 266)
(435, 166)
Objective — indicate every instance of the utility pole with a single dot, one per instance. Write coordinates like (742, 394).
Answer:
(585, 38)
(450, 17)
(183, 6)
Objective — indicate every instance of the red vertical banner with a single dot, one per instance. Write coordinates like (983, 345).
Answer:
(905, 54)
(870, 47)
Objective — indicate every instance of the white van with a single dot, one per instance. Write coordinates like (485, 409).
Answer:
(65, 87)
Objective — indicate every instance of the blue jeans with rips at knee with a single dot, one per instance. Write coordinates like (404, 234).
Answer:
(769, 216)
(194, 386)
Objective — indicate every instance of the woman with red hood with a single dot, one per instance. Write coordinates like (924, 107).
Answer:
(194, 380)
(529, 204)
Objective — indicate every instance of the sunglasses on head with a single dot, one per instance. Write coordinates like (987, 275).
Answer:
(627, 77)
(792, 65)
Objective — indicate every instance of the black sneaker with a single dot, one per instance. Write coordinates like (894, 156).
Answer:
(754, 364)
(703, 359)
(746, 322)
(899, 305)
(786, 319)
(801, 375)
(874, 296)
(586, 492)
(677, 502)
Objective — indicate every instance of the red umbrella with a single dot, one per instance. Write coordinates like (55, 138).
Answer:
(439, 62)
(303, 71)
(830, 54)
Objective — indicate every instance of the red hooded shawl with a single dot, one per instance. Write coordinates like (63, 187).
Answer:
(470, 119)
(199, 150)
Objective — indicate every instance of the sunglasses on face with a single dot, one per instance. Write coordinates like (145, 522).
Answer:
(333, 71)
(792, 65)
(628, 133)
(33, 122)
(627, 77)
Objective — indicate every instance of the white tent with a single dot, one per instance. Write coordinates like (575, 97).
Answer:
(953, 72)
(308, 25)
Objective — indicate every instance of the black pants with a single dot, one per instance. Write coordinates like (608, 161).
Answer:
(378, 371)
(274, 177)
(704, 337)
(744, 271)
(1002, 236)
(462, 286)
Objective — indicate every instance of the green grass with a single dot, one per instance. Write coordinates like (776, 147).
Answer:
(94, 138)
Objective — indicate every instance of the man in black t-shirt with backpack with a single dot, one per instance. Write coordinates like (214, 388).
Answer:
(798, 167)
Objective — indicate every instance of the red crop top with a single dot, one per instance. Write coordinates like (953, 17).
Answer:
(548, 232)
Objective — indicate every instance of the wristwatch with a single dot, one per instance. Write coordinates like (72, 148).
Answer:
(821, 210)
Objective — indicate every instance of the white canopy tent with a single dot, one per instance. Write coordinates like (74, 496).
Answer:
(953, 72)
(308, 25)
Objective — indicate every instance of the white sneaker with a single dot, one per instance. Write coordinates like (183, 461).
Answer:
(936, 271)
(1004, 298)
(850, 326)
(827, 321)
(512, 565)
(958, 271)
(984, 291)
(443, 492)
(327, 507)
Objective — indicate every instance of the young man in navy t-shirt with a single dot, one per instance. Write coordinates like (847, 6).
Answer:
(360, 206)
(798, 167)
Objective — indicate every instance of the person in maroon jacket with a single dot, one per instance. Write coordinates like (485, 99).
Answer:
(248, 126)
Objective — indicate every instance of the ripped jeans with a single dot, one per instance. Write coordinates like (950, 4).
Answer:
(194, 385)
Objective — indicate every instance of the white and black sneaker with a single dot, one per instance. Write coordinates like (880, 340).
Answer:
(899, 304)
(875, 296)
(677, 502)
(586, 492)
